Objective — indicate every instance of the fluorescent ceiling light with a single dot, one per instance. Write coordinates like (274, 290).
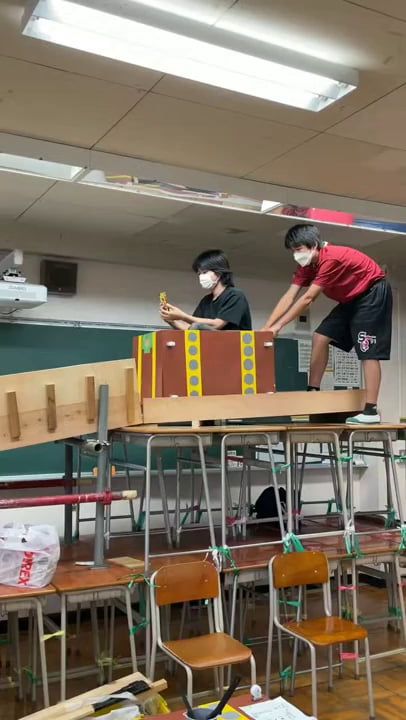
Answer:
(136, 34)
(41, 168)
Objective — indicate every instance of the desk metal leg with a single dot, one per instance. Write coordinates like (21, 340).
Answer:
(147, 503)
(131, 629)
(275, 485)
(206, 490)
(15, 643)
(340, 478)
(102, 461)
(161, 480)
(68, 489)
(288, 460)
(395, 479)
(63, 647)
(42, 654)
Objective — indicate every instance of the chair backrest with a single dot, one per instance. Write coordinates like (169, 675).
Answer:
(186, 582)
(300, 568)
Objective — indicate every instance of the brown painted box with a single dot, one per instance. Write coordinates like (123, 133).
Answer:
(202, 362)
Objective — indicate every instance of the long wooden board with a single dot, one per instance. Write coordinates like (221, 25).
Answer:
(46, 405)
(80, 706)
(279, 404)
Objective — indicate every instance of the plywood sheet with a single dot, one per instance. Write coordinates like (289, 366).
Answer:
(217, 407)
(30, 414)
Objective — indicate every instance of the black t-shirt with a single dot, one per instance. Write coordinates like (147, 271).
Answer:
(231, 306)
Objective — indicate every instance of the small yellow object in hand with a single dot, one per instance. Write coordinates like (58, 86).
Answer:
(163, 298)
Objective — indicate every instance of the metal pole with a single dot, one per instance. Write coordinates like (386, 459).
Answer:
(68, 488)
(101, 484)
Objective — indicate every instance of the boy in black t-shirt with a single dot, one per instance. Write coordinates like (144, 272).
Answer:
(224, 308)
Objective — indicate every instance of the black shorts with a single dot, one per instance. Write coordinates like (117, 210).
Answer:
(364, 323)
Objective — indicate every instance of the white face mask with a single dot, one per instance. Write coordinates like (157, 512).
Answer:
(303, 257)
(208, 280)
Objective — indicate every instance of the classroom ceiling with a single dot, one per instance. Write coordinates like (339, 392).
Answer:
(354, 149)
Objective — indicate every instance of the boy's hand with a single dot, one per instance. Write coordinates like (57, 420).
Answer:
(169, 313)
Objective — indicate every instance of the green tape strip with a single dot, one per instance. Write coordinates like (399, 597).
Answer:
(146, 343)
(402, 546)
(292, 603)
(33, 678)
(223, 552)
(291, 542)
(390, 520)
(286, 673)
(141, 626)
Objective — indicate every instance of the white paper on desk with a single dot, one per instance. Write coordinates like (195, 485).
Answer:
(278, 709)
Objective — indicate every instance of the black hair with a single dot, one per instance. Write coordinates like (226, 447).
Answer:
(304, 234)
(217, 261)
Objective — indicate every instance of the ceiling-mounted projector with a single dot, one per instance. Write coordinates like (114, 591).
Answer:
(15, 292)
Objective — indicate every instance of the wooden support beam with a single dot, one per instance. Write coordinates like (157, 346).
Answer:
(91, 408)
(279, 404)
(13, 416)
(51, 407)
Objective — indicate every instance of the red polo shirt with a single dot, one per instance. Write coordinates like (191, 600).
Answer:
(343, 273)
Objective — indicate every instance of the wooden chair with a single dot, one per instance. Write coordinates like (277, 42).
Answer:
(192, 582)
(299, 569)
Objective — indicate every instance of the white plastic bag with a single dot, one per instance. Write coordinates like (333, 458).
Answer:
(29, 554)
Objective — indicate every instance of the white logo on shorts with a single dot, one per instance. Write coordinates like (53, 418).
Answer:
(365, 341)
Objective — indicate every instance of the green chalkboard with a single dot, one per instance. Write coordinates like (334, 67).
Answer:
(26, 347)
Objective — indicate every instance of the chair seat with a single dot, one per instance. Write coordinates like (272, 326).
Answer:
(327, 630)
(206, 651)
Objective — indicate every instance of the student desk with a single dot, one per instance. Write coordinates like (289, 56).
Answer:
(14, 600)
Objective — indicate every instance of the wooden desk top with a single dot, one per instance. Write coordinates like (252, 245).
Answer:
(343, 427)
(70, 577)
(204, 430)
(8, 592)
(252, 429)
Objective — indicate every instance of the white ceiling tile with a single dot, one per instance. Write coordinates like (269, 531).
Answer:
(18, 192)
(329, 164)
(87, 196)
(193, 135)
(394, 8)
(335, 30)
(56, 105)
(371, 87)
(383, 122)
(88, 210)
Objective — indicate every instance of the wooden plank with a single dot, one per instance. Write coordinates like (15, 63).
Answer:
(69, 710)
(130, 395)
(27, 424)
(51, 407)
(13, 416)
(217, 407)
(90, 399)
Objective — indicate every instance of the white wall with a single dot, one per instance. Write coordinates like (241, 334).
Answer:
(129, 295)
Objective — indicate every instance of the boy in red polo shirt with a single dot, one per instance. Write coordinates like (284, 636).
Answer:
(362, 318)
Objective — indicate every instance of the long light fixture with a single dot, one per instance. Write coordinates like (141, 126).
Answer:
(135, 33)
(39, 168)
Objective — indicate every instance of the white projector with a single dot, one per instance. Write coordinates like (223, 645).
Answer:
(20, 296)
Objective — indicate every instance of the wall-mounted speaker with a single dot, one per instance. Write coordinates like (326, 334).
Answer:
(59, 276)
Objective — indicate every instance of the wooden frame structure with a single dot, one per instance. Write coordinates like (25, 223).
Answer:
(46, 405)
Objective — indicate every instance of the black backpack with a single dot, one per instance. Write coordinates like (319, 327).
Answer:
(265, 506)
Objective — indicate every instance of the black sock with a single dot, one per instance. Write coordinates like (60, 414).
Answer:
(370, 409)
(310, 388)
